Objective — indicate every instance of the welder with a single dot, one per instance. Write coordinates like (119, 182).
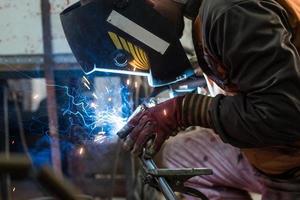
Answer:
(251, 52)
(250, 135)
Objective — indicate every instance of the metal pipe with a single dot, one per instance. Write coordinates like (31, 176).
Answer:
(5, 178)
(50, 82)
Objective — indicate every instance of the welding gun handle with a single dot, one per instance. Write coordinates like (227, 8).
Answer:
(125, 131)
(128, 128)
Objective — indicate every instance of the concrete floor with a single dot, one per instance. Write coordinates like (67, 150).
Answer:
(31, 190)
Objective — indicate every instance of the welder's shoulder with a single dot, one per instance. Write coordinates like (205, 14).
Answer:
(212, 9)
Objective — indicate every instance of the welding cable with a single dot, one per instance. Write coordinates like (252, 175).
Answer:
(20, 125)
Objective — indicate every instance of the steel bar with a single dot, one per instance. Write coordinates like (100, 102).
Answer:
(50, 82)
(4, 178)
(56, 185)
(21, 167)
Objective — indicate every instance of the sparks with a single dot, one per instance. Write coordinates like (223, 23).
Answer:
(93, 105)
(100, 137)
(165, 112)
(35, 97)
(110, 117)
(86, 80)
(94, 95)
(99, 110)
(81, 150)
(86, 85)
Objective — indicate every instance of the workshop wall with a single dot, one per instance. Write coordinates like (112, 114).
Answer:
(21, 27)
(21, 35)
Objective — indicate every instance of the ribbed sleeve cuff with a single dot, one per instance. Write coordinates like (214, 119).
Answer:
(215, 117)
(195, 110)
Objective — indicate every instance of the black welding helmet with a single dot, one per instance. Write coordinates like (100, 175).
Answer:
(125, 36)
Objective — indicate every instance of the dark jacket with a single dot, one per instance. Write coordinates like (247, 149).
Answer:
(249, 49)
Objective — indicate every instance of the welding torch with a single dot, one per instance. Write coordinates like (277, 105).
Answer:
(148, 163)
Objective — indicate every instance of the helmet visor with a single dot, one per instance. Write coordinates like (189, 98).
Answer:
(126, 37)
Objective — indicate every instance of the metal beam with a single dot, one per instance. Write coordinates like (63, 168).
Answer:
(50, 82)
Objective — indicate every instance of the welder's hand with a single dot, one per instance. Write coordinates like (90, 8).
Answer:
(155, 124)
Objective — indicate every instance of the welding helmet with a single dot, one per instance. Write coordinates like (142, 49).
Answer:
(125, 36)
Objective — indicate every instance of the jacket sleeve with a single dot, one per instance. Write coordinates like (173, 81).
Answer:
(254, 42)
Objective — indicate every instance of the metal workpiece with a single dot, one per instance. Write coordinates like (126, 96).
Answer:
(17, 164)
(56, 185)
(21, 167)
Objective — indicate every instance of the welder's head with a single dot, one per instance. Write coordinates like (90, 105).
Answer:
(125, 36)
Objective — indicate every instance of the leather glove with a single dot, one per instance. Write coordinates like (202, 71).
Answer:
(157, 124)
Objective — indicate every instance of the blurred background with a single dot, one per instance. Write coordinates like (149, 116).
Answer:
(55, 115)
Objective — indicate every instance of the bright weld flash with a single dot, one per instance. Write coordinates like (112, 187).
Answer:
(111, 117)
(14, 189)
(128, 81)
(100, 137)
(93, 105)
(102, 112)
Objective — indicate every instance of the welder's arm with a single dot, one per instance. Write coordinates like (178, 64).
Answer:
(254, 43)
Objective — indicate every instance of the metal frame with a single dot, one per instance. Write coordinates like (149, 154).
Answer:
(45, 65)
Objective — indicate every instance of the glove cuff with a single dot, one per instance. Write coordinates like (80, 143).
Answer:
(195, 110)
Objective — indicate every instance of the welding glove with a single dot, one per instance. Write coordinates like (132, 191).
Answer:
(157, 124)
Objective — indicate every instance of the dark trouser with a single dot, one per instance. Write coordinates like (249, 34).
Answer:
(233, 175)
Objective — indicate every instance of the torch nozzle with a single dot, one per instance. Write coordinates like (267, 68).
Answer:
(125, 130)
